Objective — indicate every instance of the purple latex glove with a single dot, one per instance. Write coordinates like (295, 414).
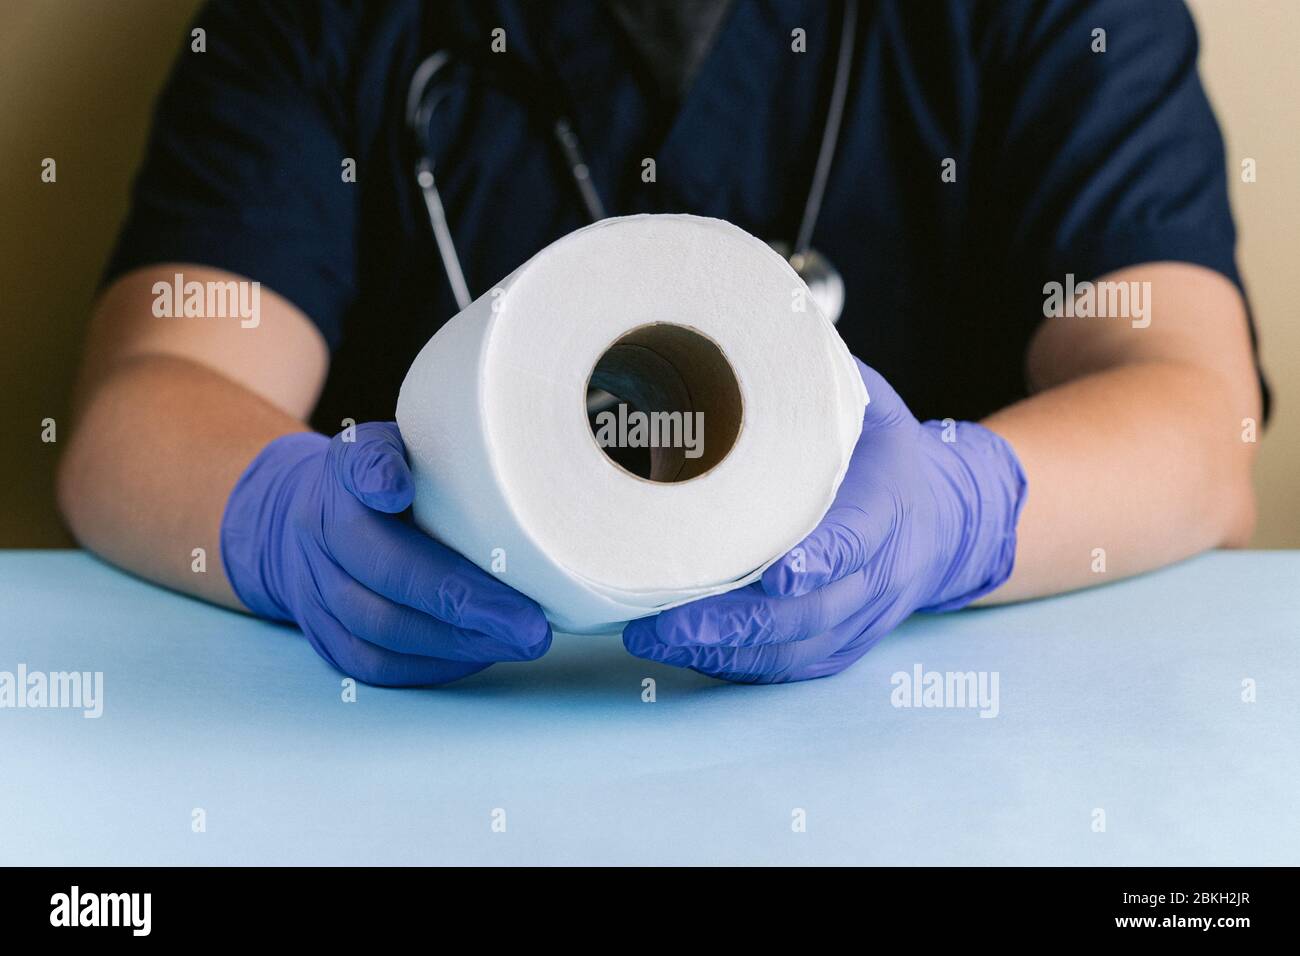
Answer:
(312, 534)
(919, 523)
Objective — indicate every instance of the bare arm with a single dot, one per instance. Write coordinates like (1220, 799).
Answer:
(168, 412)
(1132, 442)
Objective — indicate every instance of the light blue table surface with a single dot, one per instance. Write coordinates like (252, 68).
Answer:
(1125, 701)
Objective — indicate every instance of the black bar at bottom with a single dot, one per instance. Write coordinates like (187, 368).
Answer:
(93, 905)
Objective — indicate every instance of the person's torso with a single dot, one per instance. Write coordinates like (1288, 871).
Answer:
(917, 251)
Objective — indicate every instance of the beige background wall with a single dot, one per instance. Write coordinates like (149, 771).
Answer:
(77, 79)
(1250, 61)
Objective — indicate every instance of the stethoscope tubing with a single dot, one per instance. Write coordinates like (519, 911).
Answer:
(425, 94)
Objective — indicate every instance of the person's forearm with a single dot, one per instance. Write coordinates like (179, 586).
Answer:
(1129, 469)
(157, 448)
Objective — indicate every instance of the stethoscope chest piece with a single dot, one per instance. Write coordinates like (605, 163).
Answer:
(824, 282)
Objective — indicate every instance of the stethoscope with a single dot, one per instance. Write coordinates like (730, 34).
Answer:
(430, 86)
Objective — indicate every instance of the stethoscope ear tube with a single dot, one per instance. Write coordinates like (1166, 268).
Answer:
(420, 105)
(830, 132)
(572, 151)
(442, 233)
(825, 284)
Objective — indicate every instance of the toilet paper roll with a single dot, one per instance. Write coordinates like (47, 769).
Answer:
(674, 315)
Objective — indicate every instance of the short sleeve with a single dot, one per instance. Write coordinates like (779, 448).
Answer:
(1109, 152)
(244, 166)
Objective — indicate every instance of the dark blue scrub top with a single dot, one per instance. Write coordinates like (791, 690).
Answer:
(1067, 161)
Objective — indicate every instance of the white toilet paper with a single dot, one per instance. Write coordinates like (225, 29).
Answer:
(673, 314)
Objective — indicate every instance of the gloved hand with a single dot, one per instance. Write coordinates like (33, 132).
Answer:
(919, 523)
(312, 534)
